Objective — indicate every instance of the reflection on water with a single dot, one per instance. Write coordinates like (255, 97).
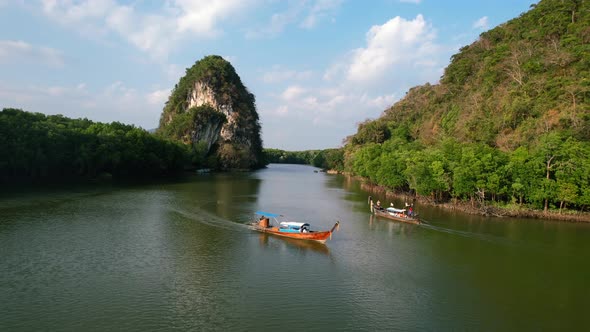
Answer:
(392, 227)
(300, 245)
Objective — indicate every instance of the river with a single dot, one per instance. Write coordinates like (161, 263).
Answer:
(177, 255)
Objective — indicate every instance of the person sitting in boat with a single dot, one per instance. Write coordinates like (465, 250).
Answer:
(379, 207)
(410, 211)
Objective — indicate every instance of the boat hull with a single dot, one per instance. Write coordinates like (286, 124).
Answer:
(320, 237)
(388, 215)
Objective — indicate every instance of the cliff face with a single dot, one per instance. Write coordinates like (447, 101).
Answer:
(213, 111)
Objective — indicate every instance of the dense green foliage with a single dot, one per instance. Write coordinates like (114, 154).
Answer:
(39, 147)
(178, 122)
(509, 121)
(326, 159)
(181, 125)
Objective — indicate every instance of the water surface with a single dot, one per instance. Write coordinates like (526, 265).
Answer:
(177, 255)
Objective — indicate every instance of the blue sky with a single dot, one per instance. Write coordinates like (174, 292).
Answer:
(316, 67)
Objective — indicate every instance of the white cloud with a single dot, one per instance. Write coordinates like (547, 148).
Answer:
(396, 42)
(18, 51)
(202, 17)
(481, 23)
(71, 12)
(114, 102)
(380, 102)
(278, 22)
(154, 33)
(321, 9)
(158, 97)
(293, 93)
(307, 14)
(359, 84)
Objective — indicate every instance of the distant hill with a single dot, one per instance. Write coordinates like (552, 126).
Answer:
(213, 112)
(509, 120)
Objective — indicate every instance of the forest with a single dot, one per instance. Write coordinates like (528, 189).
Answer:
(326, 159)
(508, 124)
(38, 147)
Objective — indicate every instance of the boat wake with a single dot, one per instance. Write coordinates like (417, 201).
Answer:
(471, 235)
(209, 219)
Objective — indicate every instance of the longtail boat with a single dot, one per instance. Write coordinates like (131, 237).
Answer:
(398, 216)
(394, 214)
(271, 224)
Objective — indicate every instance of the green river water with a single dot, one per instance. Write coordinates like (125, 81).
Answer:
(177, 256)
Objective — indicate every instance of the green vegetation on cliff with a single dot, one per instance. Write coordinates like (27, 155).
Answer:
(509, 121)
(211, 110)
(39, 147)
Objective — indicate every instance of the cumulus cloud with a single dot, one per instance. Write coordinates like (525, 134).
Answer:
(359, 84)
(395, 42)
(18, 51)
(481, 23)
(155, 33)
(201, 17)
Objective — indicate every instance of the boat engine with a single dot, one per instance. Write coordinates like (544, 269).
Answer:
(263, 222)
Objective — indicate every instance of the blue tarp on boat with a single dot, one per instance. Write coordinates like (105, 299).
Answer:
(289, 230)
(267, 214)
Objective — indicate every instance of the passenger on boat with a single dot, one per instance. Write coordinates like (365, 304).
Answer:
(379, 207)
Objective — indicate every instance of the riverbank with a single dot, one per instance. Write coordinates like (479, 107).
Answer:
(474, 208)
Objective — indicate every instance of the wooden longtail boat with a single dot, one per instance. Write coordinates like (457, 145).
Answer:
(269, 223)
(398, 216)
(393, 213)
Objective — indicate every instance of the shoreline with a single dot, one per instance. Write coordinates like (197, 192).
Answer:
(466, 206)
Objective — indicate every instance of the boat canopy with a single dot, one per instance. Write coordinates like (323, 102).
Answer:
(293, 224)
(392, 209)
(268, 214)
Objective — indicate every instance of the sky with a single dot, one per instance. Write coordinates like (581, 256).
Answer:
(317, 68)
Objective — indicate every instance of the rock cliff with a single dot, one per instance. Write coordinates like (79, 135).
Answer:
(212, 110)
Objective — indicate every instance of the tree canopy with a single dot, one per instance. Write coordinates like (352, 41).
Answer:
(40, 147)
